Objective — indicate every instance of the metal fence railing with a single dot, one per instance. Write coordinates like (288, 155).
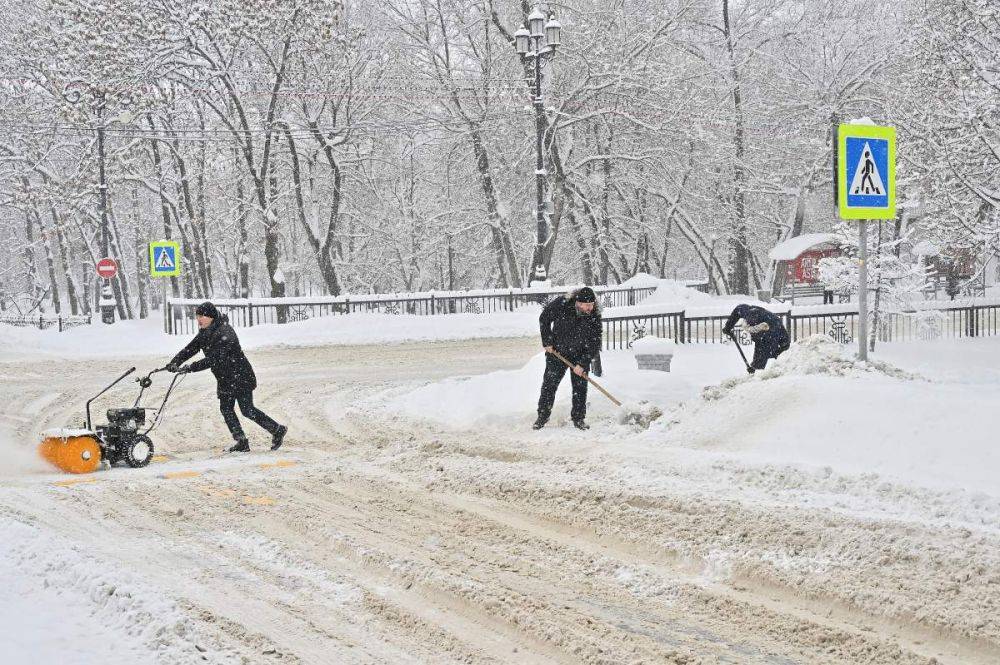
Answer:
(955, 320)
(44, 321)
(179, 318)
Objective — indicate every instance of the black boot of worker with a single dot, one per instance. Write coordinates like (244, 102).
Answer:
(242, 446)
(278, 437)
(579, 424)
(540, 423)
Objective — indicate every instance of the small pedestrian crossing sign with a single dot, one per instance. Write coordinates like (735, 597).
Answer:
(164, 259)
(866, 172)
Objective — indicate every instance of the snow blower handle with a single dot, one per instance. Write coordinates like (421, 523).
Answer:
(112, 385)
(589, 380)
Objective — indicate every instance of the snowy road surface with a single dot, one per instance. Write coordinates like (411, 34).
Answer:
(414, 517)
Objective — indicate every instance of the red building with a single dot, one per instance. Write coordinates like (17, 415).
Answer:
(797, 263)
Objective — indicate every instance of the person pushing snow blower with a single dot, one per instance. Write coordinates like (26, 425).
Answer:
(767, 332)
(571, 328)
(233, 373)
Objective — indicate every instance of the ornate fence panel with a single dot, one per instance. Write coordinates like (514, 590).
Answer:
(958, 320)
(179, 319)
(45, 321)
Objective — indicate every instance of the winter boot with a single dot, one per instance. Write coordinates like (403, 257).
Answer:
(278, 437)
(579, 424)
(540, 423)
(242, 446)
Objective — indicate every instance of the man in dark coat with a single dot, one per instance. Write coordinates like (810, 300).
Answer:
(571, 325)
(233, 373)
(766, 331)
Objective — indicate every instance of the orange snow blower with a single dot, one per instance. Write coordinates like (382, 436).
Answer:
(121, 439)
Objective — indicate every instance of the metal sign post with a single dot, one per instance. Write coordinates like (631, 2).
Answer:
(866, 190)
(165, 261)
(863, 290)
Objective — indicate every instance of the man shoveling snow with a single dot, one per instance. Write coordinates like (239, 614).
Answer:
(767, 332)
(571, 326)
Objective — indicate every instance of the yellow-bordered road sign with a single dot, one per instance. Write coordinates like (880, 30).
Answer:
(866, 172)
(164, 259)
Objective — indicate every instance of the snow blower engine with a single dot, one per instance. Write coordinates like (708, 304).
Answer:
(122, 439)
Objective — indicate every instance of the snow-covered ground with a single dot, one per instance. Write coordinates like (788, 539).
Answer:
(821, 511)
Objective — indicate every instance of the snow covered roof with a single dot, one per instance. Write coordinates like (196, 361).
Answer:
(925, 248)
(791, 249)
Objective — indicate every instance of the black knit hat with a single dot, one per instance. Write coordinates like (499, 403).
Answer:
(586, 294)
(207, 309)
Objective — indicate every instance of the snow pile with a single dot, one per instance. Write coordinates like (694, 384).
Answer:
(818, 354)
(817, 406)
(655, 346)
(146, 337)
(510, 397)
(58, 605)
(669, 292)
(642, 280)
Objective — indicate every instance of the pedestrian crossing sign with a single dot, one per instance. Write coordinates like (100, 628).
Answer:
(164, 259)
(866, 172)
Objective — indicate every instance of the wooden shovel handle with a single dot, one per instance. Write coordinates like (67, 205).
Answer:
(587, 376)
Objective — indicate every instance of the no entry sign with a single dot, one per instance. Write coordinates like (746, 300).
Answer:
(107, 268)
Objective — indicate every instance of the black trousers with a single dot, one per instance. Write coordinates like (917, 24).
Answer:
(554, 371)
(768, 347)
(226, 403)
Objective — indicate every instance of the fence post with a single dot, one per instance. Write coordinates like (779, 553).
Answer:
(681, 332)
(60, 323)
(433, 309)
(631, 295)
(41, 322)
(972, 322)
(788, 325)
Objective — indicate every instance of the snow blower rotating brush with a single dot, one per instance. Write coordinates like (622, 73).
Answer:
(125, 437)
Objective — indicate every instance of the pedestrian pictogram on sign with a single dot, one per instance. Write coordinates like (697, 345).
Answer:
(866, 181)
(866, 173)
(107, 268)
(164, 259)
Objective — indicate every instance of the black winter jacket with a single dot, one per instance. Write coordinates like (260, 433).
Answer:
(574, 335)
(753, 315)
(223, 355)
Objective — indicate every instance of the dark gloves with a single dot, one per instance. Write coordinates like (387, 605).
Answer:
(172, 367)
(184, 370)
(750, 369)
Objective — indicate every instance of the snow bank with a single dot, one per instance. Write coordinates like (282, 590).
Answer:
(146, 337)
(509, 398)
(654, 346)
(59, 605)
(388, 328)
(817, 406)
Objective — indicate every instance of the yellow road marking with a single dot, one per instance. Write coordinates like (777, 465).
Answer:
(173, 475)
(75, 481)
(258, 500)
(215, 491)
(277, 465)
(161, 458)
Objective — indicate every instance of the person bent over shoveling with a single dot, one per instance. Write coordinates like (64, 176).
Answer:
(233, 373)
(767, 332)
(571, 326)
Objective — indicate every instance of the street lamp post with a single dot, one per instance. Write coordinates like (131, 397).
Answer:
(539, 40)
(73, 93)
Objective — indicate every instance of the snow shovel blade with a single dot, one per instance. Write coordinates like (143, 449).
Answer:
(640, 415)
(72, 454)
